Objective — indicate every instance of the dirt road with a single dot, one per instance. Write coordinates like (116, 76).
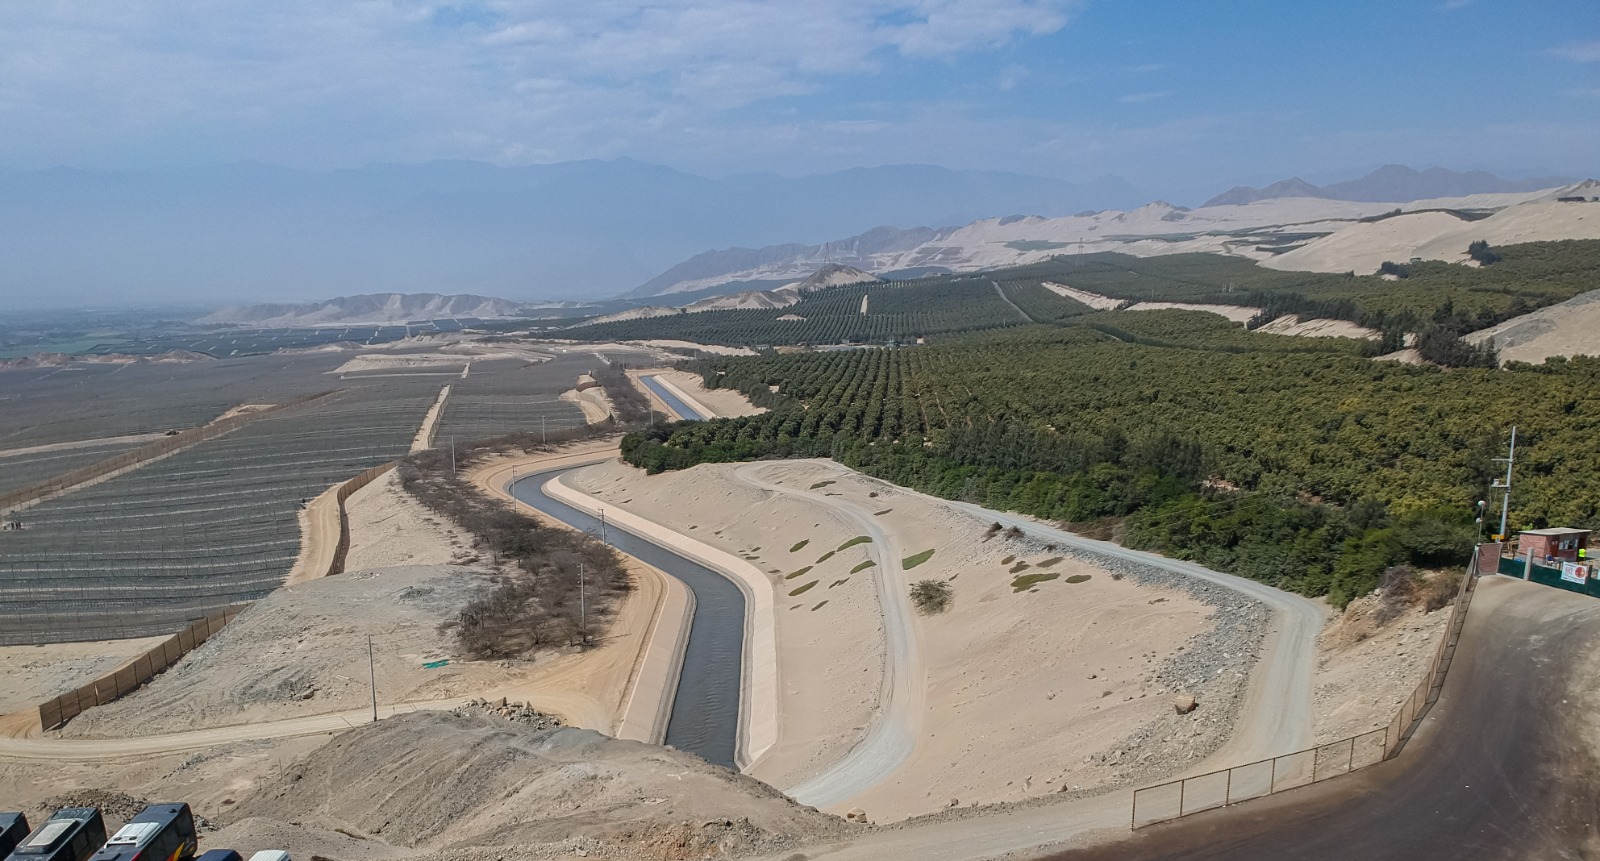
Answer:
(893, 735)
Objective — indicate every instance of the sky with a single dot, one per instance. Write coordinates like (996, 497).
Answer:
(1165, 93)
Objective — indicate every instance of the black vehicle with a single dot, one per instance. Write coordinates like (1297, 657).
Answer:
(218, 855)
(71, 834)
(13, 827)
(161, 832)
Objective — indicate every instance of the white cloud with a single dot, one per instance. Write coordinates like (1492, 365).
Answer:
(1579, 52)
(1011, 76)
(1137, 98)
(303, 82)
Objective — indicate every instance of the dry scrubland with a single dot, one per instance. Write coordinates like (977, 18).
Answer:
(1032, 688)
(1368, 663)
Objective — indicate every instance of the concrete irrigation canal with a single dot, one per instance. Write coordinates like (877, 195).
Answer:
(672, 401)
(705, 710)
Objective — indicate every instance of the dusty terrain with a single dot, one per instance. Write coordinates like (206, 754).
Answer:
(303, 650)
(1367, 666)
(1571, 328)
(550, 793)
(1028, 691)
(830, 636)
(31, 674)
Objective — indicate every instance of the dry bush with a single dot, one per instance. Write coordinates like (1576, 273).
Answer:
(538, 602)
(931, 596)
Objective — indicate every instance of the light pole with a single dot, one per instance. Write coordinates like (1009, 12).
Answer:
(372, 675)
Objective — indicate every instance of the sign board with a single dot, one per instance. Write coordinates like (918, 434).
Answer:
(434, 665)
(1572, 572)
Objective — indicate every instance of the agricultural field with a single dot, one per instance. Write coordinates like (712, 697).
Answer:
(40, 406)
(234, 342)
(902, 312)
(21, 470)
(502, 396)
(1311, 470)
(209, 526)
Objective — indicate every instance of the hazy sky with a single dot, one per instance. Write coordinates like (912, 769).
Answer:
(1164, 93)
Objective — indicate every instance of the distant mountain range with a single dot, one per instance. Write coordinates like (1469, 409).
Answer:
(581, 229)
(385, 308)
(1392, 183)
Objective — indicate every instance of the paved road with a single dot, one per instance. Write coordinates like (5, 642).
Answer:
(1506, 765)
(897, 724)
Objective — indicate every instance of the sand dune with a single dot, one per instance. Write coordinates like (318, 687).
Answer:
(1571, 328)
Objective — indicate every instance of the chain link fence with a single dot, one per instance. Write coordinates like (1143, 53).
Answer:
(1191, 795)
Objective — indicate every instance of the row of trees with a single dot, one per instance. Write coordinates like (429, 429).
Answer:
(1314, 471)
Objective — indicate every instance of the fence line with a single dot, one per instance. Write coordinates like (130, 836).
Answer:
(58, 711)
(1187, 796)
(345, 491)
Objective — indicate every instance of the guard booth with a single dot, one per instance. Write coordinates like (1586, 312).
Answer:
(1556, 557)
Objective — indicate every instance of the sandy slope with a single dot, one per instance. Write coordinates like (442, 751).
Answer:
(830, 637)
(1290, 324)
(1362, 247)
(1002, 669)
(1571, 328)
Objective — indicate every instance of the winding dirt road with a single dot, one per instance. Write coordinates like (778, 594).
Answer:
(892, 738)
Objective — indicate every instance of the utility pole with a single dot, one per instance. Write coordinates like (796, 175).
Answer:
(452, 455)
(603, 528)
(583, 607)
(372, 675)
(1509, 460)
(542, 436)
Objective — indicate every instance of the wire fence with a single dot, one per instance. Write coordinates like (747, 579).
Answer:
(1190, 795)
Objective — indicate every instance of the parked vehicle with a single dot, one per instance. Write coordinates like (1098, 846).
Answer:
(70, 834)
(13, 827)
(219, 855)
(270, 855)
(161, 832)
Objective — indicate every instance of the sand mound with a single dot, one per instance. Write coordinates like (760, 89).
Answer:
(441, 780)
(1571, 328)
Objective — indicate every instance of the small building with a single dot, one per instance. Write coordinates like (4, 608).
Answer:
(1560, 544)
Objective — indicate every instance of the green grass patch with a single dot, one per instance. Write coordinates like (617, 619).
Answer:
(838, 582)
(797, 573)
(819, 605)
(821, 484)
(1078, 578)
(826, 556)
(1020, 566)
(859, 539)
(1008, 560)
(1048, 563)
(862, 566)
(911, 562)
(802, 589)
(1028, 581)
(801, 546)
(882, 513)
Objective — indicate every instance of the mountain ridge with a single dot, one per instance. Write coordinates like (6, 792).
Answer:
(1391, 183)
(385, 308)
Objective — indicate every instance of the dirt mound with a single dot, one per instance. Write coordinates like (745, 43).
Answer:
(462, 782)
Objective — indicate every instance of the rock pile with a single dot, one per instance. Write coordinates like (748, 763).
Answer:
(516, 712)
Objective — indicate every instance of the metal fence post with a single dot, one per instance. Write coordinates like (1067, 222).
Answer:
(1227, 791)
(1272, 781)
(1182, 785)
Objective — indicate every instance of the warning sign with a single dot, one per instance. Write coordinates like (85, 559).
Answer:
(1572, 572)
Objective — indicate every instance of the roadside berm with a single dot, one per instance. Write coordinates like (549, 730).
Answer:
(459, 786)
